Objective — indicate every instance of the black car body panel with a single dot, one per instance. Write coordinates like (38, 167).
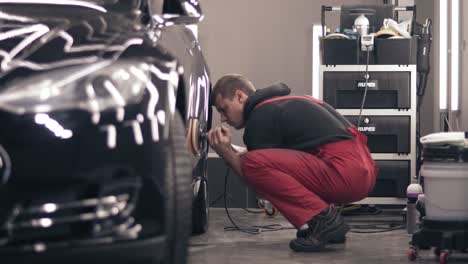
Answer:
(89, 91)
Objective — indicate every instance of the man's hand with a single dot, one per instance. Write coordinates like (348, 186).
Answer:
(239, 150)
(220, 140)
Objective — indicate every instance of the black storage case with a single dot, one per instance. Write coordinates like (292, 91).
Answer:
(343, 52)
(396, 51)
(344, 90)
(392, 179)
(339, 51)
(385, 134)
(386, 51)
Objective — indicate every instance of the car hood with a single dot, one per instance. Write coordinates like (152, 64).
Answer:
(38, 37)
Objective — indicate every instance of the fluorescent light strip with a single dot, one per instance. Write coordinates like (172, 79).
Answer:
(316, 33)
(443, 54)
(455, 55)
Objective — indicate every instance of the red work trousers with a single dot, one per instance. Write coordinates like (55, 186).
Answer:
(301, 184)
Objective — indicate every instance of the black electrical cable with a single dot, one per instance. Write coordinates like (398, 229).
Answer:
(366, 76)
(217, 199)
(377, 226)
(259, 211)
(383, 230)
(245, 209)
(276, 227)
(358, 212)
(250, 229)
(257, 229)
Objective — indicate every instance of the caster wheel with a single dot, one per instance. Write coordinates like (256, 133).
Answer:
(412, 253)
(267, 207)
(444, 256)
(260, 204)
(270, 212)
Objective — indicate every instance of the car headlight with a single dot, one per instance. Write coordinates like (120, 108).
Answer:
(94, 88)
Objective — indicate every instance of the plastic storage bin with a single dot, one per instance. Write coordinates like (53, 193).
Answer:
(446, 190)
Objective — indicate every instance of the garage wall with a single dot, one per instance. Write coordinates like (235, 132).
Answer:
(464, 68)
(271, 40)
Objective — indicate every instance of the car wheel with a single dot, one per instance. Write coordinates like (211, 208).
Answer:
(179, 196)
(200, 212)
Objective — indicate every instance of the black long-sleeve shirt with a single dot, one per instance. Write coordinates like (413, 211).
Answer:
(275, 120)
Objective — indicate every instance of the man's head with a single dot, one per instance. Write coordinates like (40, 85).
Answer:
(229, 96)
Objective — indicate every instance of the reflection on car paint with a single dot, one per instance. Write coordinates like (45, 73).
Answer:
(82, 101)
(33, 32)
(66, 3)
(196, 87)
(16, 18)
(5, 166)
(53, 126)
(173, 79)
(137, 134)
(111, 132)
(107, 207)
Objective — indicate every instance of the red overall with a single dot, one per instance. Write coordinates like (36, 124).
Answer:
(301, 184)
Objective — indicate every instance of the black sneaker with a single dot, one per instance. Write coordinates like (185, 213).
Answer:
(341, 239)
(323, 228)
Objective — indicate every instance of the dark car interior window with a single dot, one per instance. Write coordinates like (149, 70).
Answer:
(172, 7)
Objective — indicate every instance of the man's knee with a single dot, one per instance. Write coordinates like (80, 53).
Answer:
(254, 162)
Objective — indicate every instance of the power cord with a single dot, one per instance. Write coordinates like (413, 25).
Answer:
(366, 76)
(372, 229)
(257, 229)
(250, 229)
(357, 209)
(259, 211)
(217, 199)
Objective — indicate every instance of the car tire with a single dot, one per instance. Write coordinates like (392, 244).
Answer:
(200, 208)
(179, 195)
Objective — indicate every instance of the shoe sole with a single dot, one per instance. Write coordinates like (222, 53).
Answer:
(338, 240)
(339, 236)
(340, 232)
(333, 240)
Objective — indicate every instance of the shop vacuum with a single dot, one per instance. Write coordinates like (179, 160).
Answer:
(443, 206)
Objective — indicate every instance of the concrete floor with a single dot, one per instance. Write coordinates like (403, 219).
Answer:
(219, 246)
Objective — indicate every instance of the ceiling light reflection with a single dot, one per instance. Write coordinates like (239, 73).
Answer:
(53, 126)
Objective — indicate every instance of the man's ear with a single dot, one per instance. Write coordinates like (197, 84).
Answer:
(241, 96)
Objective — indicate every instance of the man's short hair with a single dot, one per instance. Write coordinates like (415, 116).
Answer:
(227, 85)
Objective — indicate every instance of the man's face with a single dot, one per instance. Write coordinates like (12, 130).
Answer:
(231, 110)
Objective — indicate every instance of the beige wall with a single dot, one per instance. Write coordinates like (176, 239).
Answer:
(464, 68)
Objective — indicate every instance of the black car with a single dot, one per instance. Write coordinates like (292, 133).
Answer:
(103, 111)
